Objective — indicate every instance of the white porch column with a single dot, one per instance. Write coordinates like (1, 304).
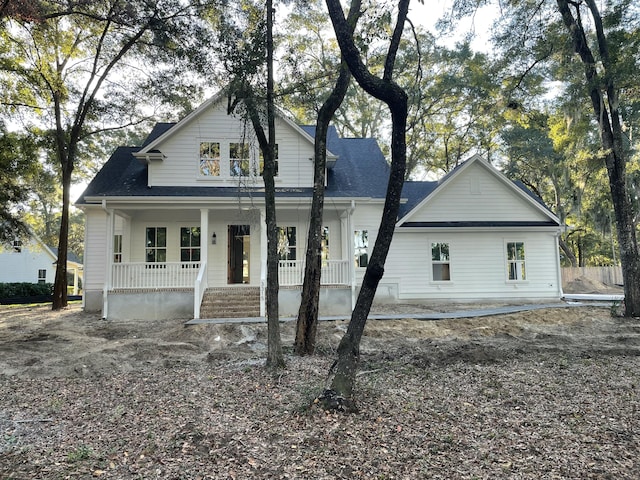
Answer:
(263, 261)
(346, 225)
(111, 218)
(75, 281)
(205, 241)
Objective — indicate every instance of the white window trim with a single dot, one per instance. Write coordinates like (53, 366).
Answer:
(436, 262)
(507, 261)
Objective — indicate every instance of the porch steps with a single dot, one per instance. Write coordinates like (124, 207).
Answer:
(233, 302)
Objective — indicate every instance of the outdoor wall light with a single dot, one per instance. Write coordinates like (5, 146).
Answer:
(214, 238)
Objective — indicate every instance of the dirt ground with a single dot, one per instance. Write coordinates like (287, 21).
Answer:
(548, 393)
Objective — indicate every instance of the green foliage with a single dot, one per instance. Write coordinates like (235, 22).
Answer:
(23, 289)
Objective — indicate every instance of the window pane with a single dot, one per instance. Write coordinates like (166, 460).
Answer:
(161, 237)
(287, 243)
(185, 237)
(195, 237)
(151, 237)
(162, 255)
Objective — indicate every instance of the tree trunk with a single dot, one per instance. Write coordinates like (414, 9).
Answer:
(340, 394)
(307, 323)
(604, 99)
(60, 282)
(275, 358)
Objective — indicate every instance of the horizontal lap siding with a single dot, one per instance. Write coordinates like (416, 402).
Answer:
(478, 266)
(95, 251)
(494, 202)
(180, 167)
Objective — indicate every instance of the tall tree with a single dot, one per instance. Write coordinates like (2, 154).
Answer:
(339, 395)
(18, 160)
(248, 49)
(307, 321)
(72, 61)
(603, 72)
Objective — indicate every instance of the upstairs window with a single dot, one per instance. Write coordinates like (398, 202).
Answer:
(440, 266)
(190, 244)
(287, 243)
(515, 261)
(261, 162)
(210, 159)
(17, 246)
(156, 244)
(239, 159)
(361, 248)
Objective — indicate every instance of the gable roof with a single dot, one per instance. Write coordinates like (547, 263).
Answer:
(362, 172)
(421, 193)
(164, 131)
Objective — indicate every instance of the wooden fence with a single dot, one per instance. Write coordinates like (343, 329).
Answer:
(611, 275)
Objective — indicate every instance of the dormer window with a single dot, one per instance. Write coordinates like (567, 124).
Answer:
(210, 159)
(261, 162)
(239, 159)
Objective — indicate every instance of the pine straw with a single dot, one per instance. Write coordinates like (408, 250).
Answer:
(536, 405)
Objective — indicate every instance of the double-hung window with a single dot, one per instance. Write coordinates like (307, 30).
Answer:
(239, 159)
(324, 245)
(516, 261)
(287, 243)
(42, 276)
(210, 159)
(440, 262)
(117, 249)
(156, 244)
(190, 244)
(261, 162)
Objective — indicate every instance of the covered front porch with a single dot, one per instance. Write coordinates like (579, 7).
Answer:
(183, 253)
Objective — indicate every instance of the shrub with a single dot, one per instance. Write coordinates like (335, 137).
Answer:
(24, 289)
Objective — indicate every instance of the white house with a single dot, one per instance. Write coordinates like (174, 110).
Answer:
(177, 223)
(32, 261)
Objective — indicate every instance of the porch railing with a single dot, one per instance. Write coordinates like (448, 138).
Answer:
(334, 272)
(154, 275)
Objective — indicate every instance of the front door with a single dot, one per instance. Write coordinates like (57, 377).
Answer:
(238, 255)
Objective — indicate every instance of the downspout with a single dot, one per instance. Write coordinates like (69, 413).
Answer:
(109, 249)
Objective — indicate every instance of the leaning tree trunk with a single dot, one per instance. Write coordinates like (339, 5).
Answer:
(307, 323)
(340, 394)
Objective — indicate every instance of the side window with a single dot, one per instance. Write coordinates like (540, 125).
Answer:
(324, 245)
(117, 249)
(17, 246)
(42, 276)
(156, 244)
(361, 248)
(440, 266)
(210, 159)
(190, 244)
(287, 243)
(516, 261)
(261, 162)
(239, 159)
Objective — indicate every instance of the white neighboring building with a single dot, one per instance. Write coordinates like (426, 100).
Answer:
(184, 213)
(33, 261)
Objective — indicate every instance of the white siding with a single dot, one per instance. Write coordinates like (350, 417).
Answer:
(95, 249)
(23, 266)
(478, 266)
(181, 165)
(476, 195)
